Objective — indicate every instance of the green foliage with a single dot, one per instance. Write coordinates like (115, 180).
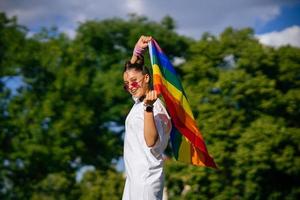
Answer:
(60, 118)
(245, 98)
(12, 38)
(101, 185)
(54, 186)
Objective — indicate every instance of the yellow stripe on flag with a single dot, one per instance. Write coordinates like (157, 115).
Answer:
(185, 151)
(177, 94)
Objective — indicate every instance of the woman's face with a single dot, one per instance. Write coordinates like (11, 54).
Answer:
(135, 82)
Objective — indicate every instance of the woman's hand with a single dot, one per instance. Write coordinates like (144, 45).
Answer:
(150, 98)
(140, 47)
(143, 42)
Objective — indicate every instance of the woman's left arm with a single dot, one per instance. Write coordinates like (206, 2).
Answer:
(150, 130)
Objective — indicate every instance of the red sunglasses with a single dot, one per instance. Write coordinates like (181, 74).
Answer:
(133, 84)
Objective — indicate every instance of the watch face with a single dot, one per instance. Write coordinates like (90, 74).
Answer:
(149, 108)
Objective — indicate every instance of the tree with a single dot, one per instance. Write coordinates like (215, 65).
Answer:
(70, 109)
(246, 111)
(102, 185)
(71, 95)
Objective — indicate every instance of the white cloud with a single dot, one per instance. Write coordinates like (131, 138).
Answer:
(192, 16)
(273, 11)
(290, 35)
(134, 6)
(197, 16)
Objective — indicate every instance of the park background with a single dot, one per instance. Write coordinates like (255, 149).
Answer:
(63, 106)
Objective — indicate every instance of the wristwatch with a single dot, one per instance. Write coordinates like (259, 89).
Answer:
(148, 108)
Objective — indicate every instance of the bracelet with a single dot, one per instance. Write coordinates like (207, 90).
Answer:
(138, 51)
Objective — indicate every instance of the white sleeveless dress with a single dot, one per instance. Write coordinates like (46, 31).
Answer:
(143, 164)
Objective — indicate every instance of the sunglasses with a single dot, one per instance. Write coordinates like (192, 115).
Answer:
(133, 84)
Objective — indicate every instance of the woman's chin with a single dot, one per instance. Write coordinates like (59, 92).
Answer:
(137, 94)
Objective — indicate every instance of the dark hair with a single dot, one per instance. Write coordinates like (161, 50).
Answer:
(138, 66)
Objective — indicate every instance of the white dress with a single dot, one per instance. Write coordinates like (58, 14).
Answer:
(143, 164)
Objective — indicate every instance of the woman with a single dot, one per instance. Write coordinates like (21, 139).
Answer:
(147, 129)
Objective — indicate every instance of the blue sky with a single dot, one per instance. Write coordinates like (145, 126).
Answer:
(275, 21)
(289, 16)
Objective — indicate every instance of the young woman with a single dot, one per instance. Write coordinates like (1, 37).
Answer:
(147, 130)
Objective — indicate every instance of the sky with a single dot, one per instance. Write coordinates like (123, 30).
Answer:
(275, 22)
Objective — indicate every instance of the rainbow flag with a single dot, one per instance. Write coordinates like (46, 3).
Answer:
(187, 142)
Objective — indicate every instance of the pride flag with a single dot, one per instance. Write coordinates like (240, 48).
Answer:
(187, 142)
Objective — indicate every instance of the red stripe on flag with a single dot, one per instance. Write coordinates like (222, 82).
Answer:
(173, 108)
